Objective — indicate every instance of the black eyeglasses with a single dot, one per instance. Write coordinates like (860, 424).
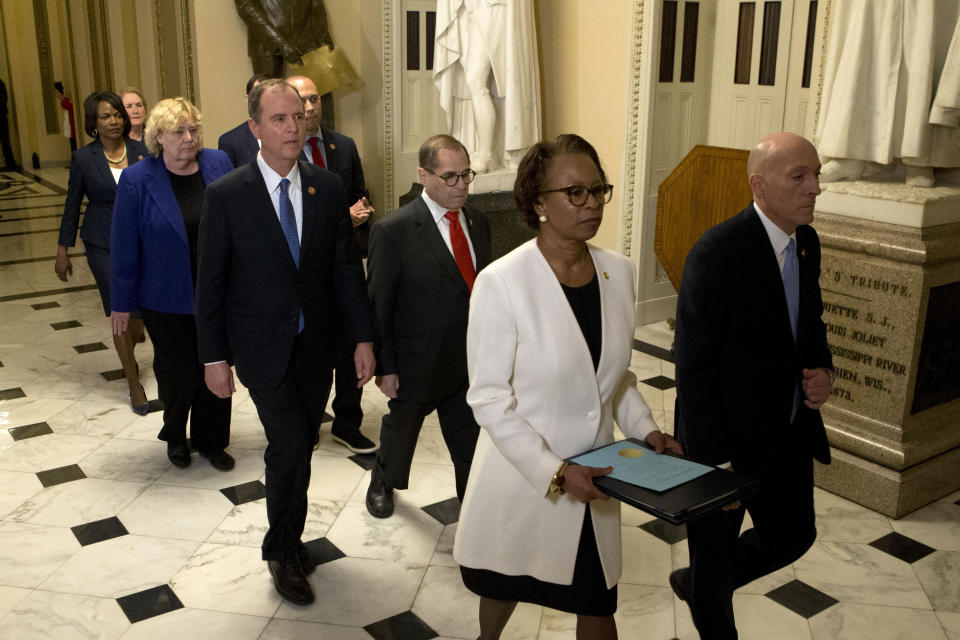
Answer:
(451, 178)
(577, 193)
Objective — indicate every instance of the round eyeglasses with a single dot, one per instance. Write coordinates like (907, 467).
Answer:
(450, 179)
(577, 193)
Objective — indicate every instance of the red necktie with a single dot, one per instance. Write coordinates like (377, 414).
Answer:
(461, 250)
(315, 148)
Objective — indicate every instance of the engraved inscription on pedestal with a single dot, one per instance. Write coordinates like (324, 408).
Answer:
(869, 308)
(938, 371)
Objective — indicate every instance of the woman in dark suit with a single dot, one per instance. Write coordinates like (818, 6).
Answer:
(154, 267)
(94, 172)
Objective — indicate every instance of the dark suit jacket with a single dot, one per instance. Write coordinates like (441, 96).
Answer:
(90, 176)
(421, 301)
(149, 250)
(736, 361)
(239, 144)
(249, 290)
(343, 160)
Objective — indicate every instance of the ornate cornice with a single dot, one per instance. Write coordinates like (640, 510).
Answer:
(827, 7)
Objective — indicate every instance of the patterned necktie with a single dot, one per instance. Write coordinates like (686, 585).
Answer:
(791, 288)
(288, 222)
(461, 250)
(791, 285)
(314, 142)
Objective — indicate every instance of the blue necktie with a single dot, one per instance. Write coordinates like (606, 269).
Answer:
(791, 288)
(288, 222)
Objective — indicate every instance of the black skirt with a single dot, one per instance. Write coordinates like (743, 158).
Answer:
(588, 595)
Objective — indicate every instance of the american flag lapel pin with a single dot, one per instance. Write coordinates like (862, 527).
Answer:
(311, 190)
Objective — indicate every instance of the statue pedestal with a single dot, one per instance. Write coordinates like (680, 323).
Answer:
(891, 290)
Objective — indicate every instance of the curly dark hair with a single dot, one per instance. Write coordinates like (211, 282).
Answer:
(92, 103)
(533, 170)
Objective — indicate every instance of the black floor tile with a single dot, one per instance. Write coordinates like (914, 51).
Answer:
(12, 394)
(45, 305)
(60, 475)
(149, 603)
(445, 512)
(110, 376)
(90, 348)
(956, 503)
(364, 460)
(326, 417)
(801, 598)
(669, 533)
(322, 551)
(246, 492)
(660, 382)
(68, 324)
(1, 364)
(902, 547)
(403, 626)
(93, 532)
(49, 292)
(30, 431)
(652, 350)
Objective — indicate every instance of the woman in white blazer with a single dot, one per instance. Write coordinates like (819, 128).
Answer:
(548, 346)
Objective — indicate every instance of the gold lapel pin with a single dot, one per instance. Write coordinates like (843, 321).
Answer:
(139, 157)
(605, 276)
(311, 190)
(332, 146)
(803, 253)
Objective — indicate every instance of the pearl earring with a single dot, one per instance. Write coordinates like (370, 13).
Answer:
(543, 218)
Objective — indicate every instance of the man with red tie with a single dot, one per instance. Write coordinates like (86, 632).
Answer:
(336, 152)
(423, 260)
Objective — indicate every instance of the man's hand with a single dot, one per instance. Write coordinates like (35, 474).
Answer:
(578, 482)
(63, 267)
(360, 211)
(661, 441)
(364, 362)
(389, 384)
(816, 387)
(219, 379)
(119, 320)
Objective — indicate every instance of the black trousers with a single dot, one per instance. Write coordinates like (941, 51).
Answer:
(723, 560)
(400, 429)
(291, 416)
(182, 389)
(347, 414)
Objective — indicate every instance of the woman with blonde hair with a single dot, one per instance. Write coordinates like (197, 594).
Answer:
(153, 266)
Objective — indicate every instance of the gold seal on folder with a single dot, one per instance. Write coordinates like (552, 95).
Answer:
(631, 453)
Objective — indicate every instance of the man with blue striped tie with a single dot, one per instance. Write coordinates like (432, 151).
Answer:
(753, 369)
(279, 278)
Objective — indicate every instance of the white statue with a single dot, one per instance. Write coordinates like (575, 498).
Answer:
(883, 64)
(486, 69)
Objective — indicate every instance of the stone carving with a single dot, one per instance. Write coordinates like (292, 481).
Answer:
(487, 73)
(883, 64)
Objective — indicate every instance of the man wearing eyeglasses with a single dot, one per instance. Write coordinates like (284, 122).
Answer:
(336, 152)
(423, 260)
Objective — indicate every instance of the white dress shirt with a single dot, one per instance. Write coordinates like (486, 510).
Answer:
(778, 239)
(440, 217)
(272, 178)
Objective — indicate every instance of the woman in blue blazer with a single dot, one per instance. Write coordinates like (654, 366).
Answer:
(153, 267)
(94, 172)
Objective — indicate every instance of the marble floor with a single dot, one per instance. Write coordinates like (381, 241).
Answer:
(101, 537)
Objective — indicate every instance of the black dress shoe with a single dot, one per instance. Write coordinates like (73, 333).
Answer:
(219, 460)
(179, 454)
(355, 441)
(305, 559)
(680, 583)
(379, 496)
(290, 581)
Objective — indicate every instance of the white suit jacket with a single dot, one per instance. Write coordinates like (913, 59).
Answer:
(534, 391)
